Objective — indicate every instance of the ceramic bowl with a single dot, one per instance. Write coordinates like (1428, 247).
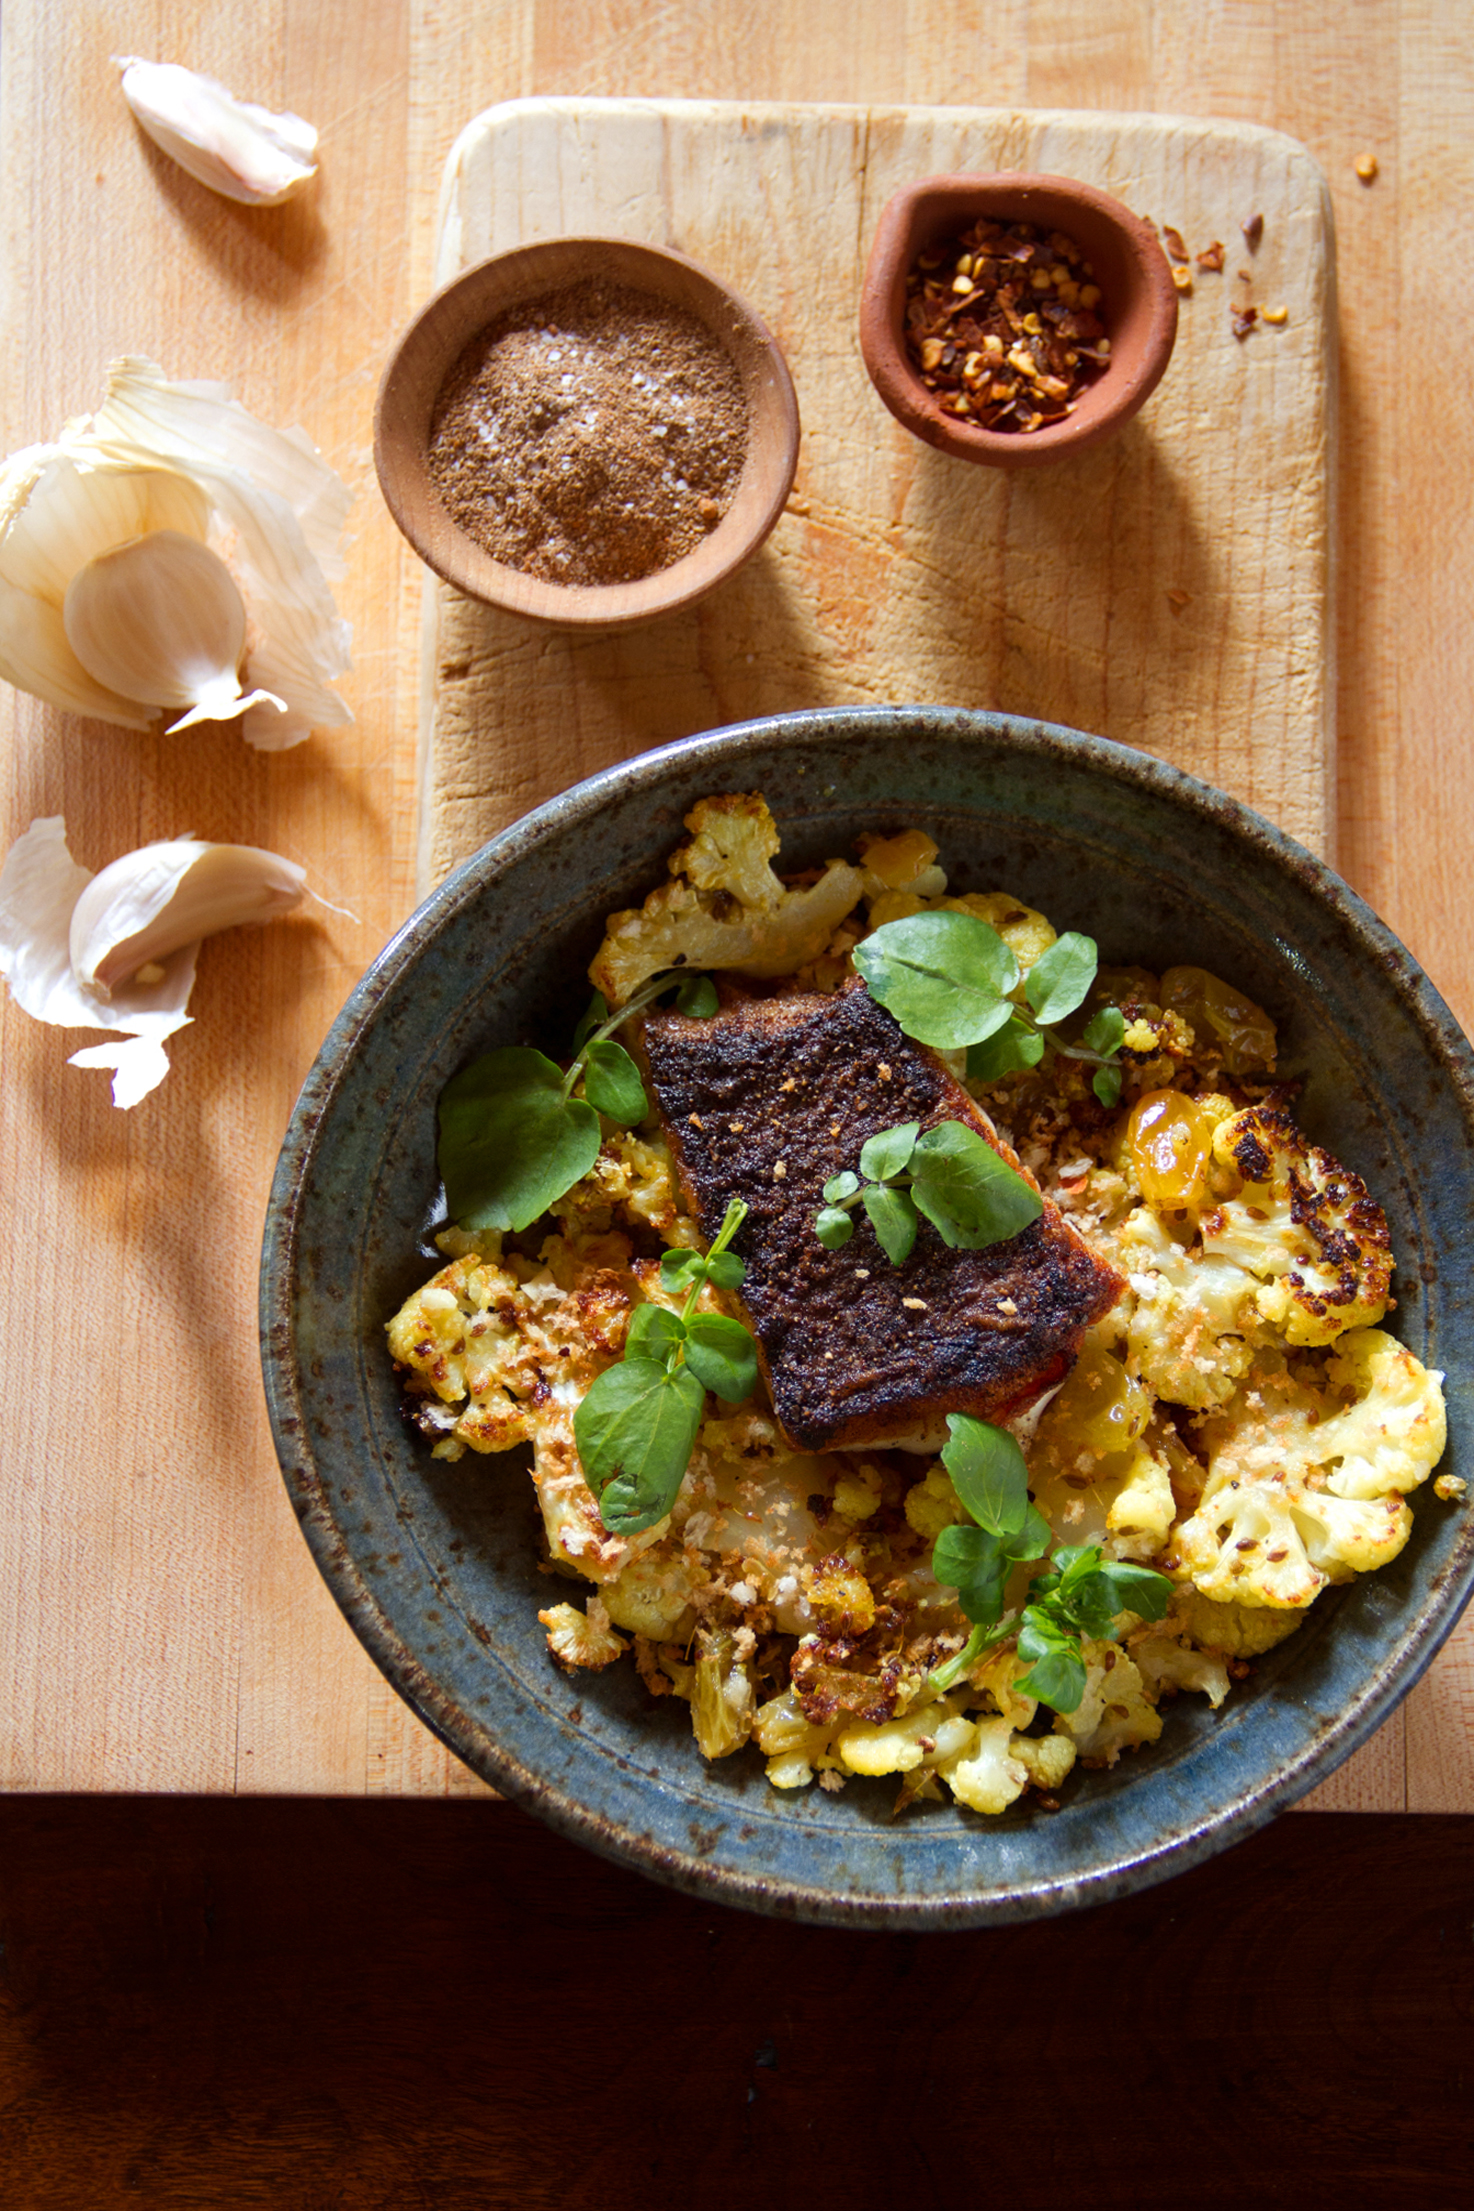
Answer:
(1138, 306)
(434, 342)
(436, 1565)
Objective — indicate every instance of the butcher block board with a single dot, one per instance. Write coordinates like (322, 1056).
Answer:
(1170, 589)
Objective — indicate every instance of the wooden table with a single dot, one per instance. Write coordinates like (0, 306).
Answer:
(162, 1627)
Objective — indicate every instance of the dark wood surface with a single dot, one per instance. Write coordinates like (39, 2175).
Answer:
(422, 2006)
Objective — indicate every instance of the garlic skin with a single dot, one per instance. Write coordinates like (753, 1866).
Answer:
(186, 458)
(235, 147)
(117, 951)
(159, 618)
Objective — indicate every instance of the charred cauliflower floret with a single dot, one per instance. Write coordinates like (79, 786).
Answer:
(500, 1353)
(1305, 1487)
(630, 1185)
(1189, 1317)
(1114, 1714)
(1303, 1225)
(724, 907)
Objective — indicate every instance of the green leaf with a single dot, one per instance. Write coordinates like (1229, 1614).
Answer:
(725, 1269)
(1012, 1047)
(595, 1017)
(945, 976)
(988, 1473)
(697, 997)
(1105, 1030)
(841, 1186)
(1034, 1537)
(612, 1085)
(510, 1142)
(1056, 1675)
(893, 1218)
(637, 1427)
(679, 1269)
(886, 1154)
(721, 1355)
(977, 1566)
(1107, 1085)
(1115, 1587)
(653, 1332)
(971, 1196)
(832, 1227)
(1060, 978)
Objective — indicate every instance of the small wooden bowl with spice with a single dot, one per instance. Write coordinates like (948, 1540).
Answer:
(587, 431)
(1014, 319)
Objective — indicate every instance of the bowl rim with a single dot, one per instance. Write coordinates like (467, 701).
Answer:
(691, 1870)
(1105, 405)
(458, 560)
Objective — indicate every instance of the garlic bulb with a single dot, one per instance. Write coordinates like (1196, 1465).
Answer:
(231, 145)
(159, 618)
(117, 951)
(184, 458)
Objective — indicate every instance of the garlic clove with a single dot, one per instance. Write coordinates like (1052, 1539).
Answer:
(68, 515)
(35, 657)
(117, 951)
(40, 884)
(147, 906)
(235, 147)
(160, 620)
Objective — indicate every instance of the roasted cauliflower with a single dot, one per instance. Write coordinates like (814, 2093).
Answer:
(1306, 1477)
(1303, 1225)
(724, 907)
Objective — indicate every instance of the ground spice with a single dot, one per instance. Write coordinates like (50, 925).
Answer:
(1003, 323)
(594, 436)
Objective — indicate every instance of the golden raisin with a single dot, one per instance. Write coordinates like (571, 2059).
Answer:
(1171, 1144)
(1217, 1013)
(1099, 1409)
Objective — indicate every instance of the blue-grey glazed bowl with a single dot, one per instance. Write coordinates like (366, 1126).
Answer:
(436, 1565)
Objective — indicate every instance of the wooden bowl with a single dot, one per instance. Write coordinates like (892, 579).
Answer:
(1138, 307)
(438, 336)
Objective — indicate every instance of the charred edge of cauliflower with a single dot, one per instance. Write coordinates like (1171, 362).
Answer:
(1304, 1225)
(724, 907)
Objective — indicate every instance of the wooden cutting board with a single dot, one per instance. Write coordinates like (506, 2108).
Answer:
(1170, 589)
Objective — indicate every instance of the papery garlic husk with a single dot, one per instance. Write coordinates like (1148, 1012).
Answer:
(232, 145)
(160, 619)
(185, 457)
(117, 951)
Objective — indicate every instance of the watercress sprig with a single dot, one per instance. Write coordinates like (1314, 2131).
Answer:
(970, 1195)
(513, 1138)
(636, 1426)
(1079, 1591)
(949, 980)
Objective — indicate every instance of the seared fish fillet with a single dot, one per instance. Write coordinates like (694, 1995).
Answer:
(769, 1099)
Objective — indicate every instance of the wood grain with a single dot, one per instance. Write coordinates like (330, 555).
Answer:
(357, 2008)
(162, 1627)
(1170, 589)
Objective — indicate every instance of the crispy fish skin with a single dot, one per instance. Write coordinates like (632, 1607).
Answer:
(769, 1099)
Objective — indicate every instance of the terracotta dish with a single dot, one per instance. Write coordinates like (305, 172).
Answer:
(1138, 305)
(433, 344)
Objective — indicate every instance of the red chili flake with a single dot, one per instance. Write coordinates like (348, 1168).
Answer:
(1253, 230)
(1244, 319)
(1212, 256)
(1003, 323)
(1175, 245)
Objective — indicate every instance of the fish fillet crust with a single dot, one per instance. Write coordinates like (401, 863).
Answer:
(766, 1101)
